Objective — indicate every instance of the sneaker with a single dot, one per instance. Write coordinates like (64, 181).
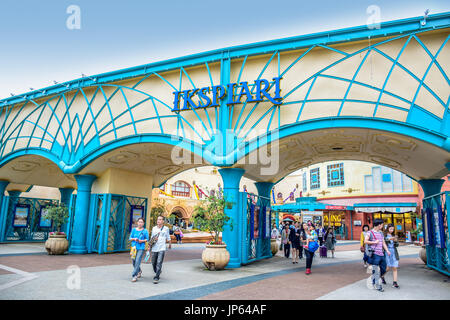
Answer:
(383, 281)
(308, 271)
(395, 285)
(155, 280)
(139, 274)
(380, 288)
(134, 279)
(365, 265)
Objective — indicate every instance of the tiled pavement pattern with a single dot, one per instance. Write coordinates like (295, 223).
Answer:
(108, 277)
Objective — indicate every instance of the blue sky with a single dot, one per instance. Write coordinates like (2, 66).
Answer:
(37, 47)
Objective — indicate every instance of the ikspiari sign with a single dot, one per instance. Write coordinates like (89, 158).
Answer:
(233, 93)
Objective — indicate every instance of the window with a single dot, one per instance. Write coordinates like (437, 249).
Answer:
(335, 175)
(181, 188)
(384, 179)
(314, 175)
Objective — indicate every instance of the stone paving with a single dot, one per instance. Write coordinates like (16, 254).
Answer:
(27, 272)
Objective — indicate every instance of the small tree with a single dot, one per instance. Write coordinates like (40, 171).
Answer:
(210, 216)
(58, 214)
(156, 211)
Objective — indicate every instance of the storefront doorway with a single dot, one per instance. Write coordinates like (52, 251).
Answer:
(402, 222)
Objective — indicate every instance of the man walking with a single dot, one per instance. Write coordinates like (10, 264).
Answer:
(159, 247)
(375, 240)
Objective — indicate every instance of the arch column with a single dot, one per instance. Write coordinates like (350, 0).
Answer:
(431, 186)
(264, 189)
(231, 178)
(3, 213)
(80, 225)
(66, 193)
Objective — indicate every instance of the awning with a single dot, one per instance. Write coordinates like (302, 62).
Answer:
(386, 207)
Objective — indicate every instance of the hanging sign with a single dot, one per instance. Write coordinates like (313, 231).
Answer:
(136, 213)
(43, 222)
(21, 213)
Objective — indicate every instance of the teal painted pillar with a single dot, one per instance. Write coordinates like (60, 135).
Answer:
(231, 178)
(3, 213)
(14, 193)
(80, 224)
(264, 190)
(431, 186)
(66, 193)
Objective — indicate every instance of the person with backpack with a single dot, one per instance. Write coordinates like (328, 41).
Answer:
(392, 260)
(330, 241)
(162, 235)
(138, 236)
(320, 233)
(311, 245)
(376, 245)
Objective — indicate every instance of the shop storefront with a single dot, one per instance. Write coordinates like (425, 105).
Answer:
(401, 215)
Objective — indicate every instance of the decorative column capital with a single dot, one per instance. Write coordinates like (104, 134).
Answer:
(84, 182)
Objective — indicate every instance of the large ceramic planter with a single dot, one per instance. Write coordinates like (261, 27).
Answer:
(215, 257)
(274, 246)
(56, 244)
(423, 254)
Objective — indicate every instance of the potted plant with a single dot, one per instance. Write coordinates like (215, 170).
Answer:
(210, 217)
(57, 242)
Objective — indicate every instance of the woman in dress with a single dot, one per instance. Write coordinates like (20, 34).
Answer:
(294, 238)
(392, 260)
(330, 241)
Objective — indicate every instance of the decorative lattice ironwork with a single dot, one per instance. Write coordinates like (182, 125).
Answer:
(33, 231)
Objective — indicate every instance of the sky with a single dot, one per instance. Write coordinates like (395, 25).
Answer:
(39, 44)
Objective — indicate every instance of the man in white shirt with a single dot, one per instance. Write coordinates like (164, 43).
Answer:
(159, 247)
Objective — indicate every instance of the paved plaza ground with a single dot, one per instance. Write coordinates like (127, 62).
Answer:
(27, 272)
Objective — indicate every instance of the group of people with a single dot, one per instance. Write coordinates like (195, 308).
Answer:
(156, 247)
(303, 238)
(380, 253)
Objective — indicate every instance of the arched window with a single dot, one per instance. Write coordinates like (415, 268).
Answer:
(181, 189)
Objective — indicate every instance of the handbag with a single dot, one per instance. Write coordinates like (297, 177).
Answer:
(370, 248)
(313, 246)
(181, 234)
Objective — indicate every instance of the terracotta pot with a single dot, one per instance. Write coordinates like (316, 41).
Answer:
(215, 257)
(423, 254)
(56, 244)
(274, 246)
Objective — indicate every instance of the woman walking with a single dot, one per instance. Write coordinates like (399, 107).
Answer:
(294, 238)
(310, 246)
(330, 241)
(364, 234)
(139, 236)
(285, 240)
(392, 260)
(177, 232)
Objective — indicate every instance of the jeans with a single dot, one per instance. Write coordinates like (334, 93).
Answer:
(320, 240)
(300, 251)
(366, 257)
(178, 237)
(379, 261)
(287, 250)
(157, 261)
(309, 258)
(137, 262)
